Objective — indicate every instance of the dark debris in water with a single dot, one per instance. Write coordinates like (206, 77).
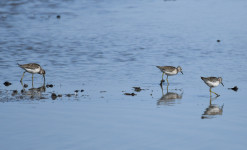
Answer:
(49, 85)
(235, 88)
(14, 92)
(69, 95)
(53, 96)
(138, 89)
(218, 41)
(130, 94)
(25, 85)
(58, 16)
(6, 83)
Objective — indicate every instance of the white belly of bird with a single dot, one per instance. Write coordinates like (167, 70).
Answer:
(171, 73)
(36, 70)
(213, 84)
(214, 111)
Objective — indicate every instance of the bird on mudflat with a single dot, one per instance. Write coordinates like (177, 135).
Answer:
(212, 82)
(169, 71)
(32, 68)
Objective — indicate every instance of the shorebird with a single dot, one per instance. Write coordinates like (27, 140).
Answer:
(32, 68)
(169, 71)
(212, 82)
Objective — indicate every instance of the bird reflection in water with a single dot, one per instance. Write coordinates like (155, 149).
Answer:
(34, 93)
(169, 98)
(212, 110)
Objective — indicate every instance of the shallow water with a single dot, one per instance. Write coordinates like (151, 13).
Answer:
(108, 47)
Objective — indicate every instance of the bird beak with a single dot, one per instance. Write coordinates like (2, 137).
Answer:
(222, 83)
(182, 72)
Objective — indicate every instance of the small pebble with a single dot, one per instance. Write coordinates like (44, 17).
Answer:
(7, 83)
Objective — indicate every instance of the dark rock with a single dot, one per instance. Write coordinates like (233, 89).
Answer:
(14, 92)
(25, 85)
(53, 96)
(7, 83)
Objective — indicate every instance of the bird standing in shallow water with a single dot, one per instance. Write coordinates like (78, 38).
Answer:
(32, 68)
(212, 82)
(169, 71)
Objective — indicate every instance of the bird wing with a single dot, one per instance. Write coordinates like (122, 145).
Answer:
(213, 79)
(29, 66)
(166, 68)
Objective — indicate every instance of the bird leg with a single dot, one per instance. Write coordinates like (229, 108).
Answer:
(162, 78)
(22, 76)
(32, 80)
(44, 79)
(162, 89)
(167, 80)
(213, 92)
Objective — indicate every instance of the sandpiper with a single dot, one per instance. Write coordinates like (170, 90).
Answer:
(32, 68)
(169, 71)
(212, 82)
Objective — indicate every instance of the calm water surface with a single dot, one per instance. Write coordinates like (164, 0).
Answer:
(108, 47)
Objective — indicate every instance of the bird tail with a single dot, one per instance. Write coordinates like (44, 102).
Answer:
(19, 65)
(158, 67)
